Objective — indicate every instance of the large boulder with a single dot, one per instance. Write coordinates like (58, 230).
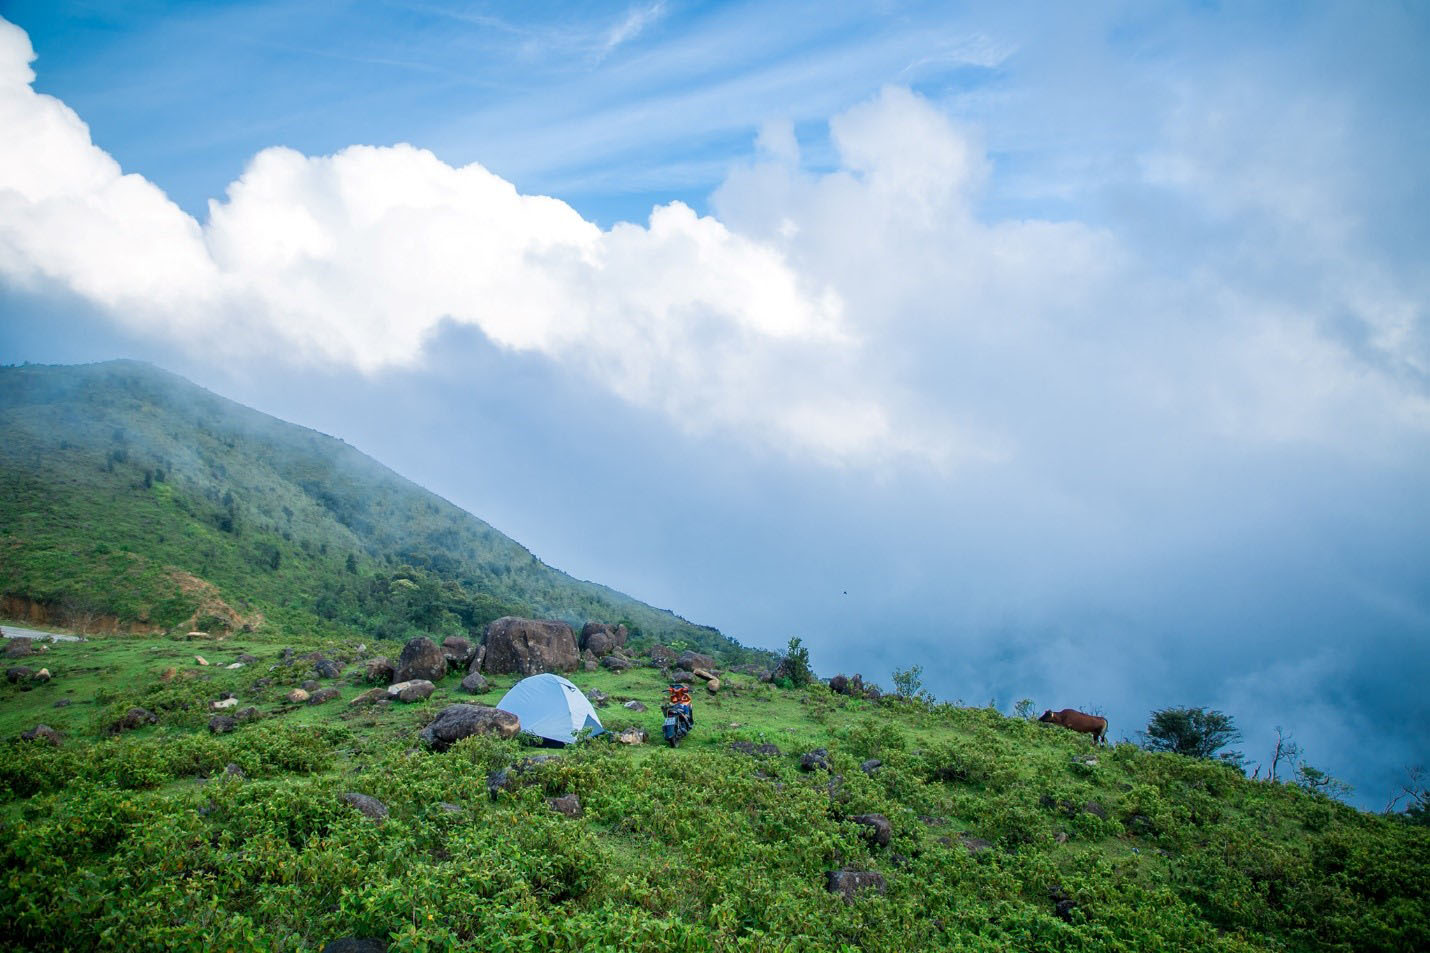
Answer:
(456, 722)
(662, 655)
(222, 724)
(530, 647)
(19, 647)
(617, 663)
(459, 651)
(479, 658)
(693, 660)
(476, 683)
(324, 695)
(327, 668)
(420, 658)
(602, 639)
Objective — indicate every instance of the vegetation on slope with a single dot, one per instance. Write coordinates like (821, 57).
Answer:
(131, 497)
(1007, 834)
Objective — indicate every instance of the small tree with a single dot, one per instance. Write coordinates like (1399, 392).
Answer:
(795, 664)
(1195, 732)
(1024, 709)
(909, 682)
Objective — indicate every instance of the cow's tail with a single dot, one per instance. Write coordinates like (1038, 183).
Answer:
(1106, 727)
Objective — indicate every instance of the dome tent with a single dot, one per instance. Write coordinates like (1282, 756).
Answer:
(550, 707)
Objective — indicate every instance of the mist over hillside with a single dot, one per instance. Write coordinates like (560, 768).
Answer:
(133, 497)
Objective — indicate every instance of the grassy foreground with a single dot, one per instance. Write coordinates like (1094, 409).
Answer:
(1005, 834)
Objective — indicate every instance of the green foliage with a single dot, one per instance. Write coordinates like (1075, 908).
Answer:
(1194, 732)
(794, 664)
(142, 840)
(909, 684)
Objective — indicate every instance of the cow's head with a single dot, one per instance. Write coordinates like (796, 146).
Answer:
(1047, 715)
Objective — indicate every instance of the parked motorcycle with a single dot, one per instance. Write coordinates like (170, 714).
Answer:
(679, 716)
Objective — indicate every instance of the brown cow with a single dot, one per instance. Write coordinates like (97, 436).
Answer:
(1094, 725)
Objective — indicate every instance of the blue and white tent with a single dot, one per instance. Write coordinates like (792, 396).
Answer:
(550, 707)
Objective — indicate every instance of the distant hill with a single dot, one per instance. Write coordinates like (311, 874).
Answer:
(132, 498)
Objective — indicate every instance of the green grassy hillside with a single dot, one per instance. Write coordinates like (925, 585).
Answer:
(1007, 835)
(132, 498)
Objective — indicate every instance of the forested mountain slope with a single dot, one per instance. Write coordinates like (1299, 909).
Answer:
(130, 497)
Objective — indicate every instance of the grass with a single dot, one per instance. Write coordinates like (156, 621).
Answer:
(139, 841)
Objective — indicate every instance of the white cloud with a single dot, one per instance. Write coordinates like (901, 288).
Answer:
(857, 316)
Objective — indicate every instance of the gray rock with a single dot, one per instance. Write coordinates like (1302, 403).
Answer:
(530, 647)
(324, 695)
(458, 651)
(975, 845)
(368, 697)
(662, 655)
(602, 639)
(410, 691)
(356, 944)
(598, 698)
(420, 659)
(479, 658)
(1095, 809)
(870, 766)
(370, 806)
(19, 673)
(310, 685)
(378, 670)
(633, 736)
(43, 733)
(19, 647)
(476, 683)
(693, 660)
(750, 748)
(297, 696)
(222, 724)
(456, 722)
(134, 718)
(878, 831)
(567, 804)
(634, 705)
(816, 760)
(849, 883)
(63, 703)
(234, 772)
(327, 668)
(839, 685)
(246, 659)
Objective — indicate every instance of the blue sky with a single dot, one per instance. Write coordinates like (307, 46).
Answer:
(1085, 346)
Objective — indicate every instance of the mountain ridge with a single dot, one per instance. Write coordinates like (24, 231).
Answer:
(276, 512)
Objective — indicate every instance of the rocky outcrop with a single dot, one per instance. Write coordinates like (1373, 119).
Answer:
(420, 658)
(530, 647)
(602, 639)
(456, 722)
